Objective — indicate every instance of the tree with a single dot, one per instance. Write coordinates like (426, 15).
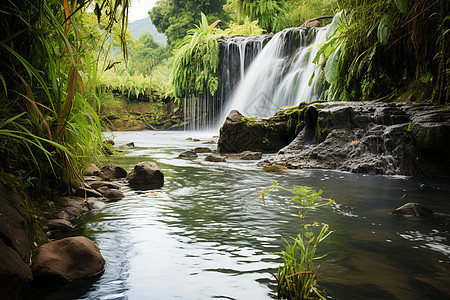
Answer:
(176, 17)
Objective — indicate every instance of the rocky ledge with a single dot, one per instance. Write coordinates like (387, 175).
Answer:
(375, 138)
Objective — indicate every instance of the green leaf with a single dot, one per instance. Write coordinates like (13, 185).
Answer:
(332, 65)
(382, 31)
(402, 5)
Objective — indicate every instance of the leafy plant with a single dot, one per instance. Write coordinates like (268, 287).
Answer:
(297, 277)
(196, 61)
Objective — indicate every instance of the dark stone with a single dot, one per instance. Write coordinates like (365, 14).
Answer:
(374, 138)
(93, 203)
(203, 150)
(214, 158)
(112, 171)
(67, 259)
(239, 134)
(62, 215)
(15, 274)
(188, 154)
(412, 210)
(74, 212)
(248, 155)
(146, 174)
(85, 192)
(130, 145)
(15, 247)
(58, 226)
(111, 142)
(113, 195)
(92, 170)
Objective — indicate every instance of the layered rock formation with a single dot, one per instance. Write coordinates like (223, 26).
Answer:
(374, 138)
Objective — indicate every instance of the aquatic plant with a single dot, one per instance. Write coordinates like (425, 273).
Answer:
(297, 277)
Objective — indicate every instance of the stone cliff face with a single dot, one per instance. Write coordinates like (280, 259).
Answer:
(375, 138)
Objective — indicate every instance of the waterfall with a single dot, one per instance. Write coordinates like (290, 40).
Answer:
(280, 74)
(202, 111)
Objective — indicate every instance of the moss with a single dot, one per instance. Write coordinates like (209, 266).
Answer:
(275, 169)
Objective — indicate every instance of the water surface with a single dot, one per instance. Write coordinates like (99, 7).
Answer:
(202, 237)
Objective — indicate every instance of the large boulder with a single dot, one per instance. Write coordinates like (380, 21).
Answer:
(145, 175)
(112, 171)
(67, 259)
(15, 245)
(267, 135)
(188, 154)
(92, 170)
(374, 138)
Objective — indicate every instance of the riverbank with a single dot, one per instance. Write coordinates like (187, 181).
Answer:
(118, 113)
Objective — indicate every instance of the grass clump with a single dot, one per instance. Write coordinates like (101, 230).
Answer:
(297, 277)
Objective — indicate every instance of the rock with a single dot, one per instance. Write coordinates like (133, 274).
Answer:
(375, 138)
(62, 215)
(93, 203)
(67, 259)
(195, 140)
(188, 154)
(130, 145)
(248, 155)
(98, 184)
(58, 226)
(275, 169)
(92, 170)
(111, 142)
(113, 195)
(15, 274)
(240, 134)
(412, 210)
(74, 212)
(213, 158)
(146, 174)
(209, 142)
(202, 150)
(112, 171)
(85, 192)
(15, 247)
(188, 139)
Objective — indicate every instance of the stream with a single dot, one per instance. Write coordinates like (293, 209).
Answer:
(202, 236)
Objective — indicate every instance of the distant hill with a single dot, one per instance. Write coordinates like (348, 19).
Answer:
(142, 26)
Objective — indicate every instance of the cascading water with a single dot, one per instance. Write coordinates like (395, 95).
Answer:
(280, 75)
(201, 111)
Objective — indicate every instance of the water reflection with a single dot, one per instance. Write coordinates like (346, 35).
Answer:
(201, 236)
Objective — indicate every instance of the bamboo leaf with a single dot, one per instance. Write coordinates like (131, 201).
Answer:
(382, 31)
(332, 65)
(402, 5)
(71, 90)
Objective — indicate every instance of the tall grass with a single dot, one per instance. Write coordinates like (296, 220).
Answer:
(297, 277)
(49, 127)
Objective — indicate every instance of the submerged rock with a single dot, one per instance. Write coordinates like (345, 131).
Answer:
(146, 174)
(113, 195)
(188, 154)
(248, 155)
(214, 158)
(275, 169)
(67, 259)
(411, 209)
(202, 150)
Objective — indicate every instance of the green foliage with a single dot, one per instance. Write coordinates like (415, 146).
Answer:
(247, 28)
(374, 49)
(176, 17)
(269, 13)
(195, 64)
(297, 277)
(49, 125)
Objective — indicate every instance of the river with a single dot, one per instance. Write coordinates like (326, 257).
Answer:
(202, 236)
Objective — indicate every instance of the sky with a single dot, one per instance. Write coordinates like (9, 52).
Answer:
(139, 9)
